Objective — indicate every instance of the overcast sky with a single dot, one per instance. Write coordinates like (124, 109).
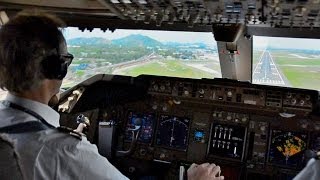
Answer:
(286, 43)
(162, 36)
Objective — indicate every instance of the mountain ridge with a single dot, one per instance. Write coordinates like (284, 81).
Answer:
(137, 40)
(133, 40)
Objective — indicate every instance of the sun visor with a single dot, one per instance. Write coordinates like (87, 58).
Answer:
(227, 32)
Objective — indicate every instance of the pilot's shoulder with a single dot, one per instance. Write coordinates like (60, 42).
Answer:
(67, 138)
(70, 132)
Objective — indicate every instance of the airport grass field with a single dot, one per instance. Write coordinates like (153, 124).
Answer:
(175, 68)
(302, 70)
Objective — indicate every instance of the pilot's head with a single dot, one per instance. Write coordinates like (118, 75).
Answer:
(33, 53)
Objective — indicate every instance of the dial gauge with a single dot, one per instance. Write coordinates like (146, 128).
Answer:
(173, 132)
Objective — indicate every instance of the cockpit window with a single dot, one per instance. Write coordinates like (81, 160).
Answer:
(289, 62)
(136, 52)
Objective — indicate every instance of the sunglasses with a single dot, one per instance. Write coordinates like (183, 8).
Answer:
(66, 58)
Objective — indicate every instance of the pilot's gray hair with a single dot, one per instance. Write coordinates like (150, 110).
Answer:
(24, 42)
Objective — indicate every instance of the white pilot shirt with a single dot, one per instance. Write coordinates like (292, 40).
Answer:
(50, 154)
(310, 172)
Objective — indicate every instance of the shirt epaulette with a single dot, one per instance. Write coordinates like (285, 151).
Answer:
(70, 131)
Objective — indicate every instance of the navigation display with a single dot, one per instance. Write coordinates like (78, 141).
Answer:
(173, 132)
(147, 124)
(287, 148)
(136, 52)
(289, 62)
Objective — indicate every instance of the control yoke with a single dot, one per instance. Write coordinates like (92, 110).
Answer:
(135, 132)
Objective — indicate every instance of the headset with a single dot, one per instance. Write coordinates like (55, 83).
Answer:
(56, 66)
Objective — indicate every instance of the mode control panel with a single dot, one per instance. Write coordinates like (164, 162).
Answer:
(231, 117)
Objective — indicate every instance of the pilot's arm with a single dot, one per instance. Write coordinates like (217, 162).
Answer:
(310, 172)
(74, 159)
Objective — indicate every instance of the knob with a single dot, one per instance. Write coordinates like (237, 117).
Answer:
(289, 95)
(301, 102)
(293, 101)
(164, 108)
(186, 93)
(201, 91)
(262, 128)
(307, 97)
(244, 119)
(63, 108)
(214, 114)
(71, 98)
(229, 117)
(304, 125)
(162, 155)
(162, 88)
(76, 92)
(176, 101)
(132, 169)
(154, 107)
(229, 93)
(155, 87)
(143, 152)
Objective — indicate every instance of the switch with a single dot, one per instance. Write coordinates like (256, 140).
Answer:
(221, 129)
(230, 131)
(225, 133)
(213, 142)
(215, 131)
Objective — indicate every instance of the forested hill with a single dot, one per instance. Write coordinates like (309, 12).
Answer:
(88, 41)
(134, 40)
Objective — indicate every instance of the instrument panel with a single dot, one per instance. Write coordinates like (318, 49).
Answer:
(252, 131)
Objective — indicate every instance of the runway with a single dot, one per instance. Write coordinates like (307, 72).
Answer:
(266, 71)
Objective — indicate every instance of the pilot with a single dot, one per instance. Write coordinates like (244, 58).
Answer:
(33, 61)
(311, 170)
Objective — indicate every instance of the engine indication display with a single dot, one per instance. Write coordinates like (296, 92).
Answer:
(147, 124)
(287, 148)
(173, 132)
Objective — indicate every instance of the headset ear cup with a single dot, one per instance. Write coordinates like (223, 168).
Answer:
(54, 68)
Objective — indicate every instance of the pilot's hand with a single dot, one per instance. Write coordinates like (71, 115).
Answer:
(204, 171)
(81, 127)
